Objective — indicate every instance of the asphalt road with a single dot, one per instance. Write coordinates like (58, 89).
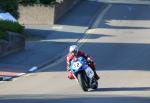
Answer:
(120, 46)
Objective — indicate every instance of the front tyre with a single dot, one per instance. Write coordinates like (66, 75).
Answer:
(82, 82)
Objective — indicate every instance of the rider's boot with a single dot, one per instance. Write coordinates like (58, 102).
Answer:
(96, 75)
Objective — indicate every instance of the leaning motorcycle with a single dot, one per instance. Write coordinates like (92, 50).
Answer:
(83, 74)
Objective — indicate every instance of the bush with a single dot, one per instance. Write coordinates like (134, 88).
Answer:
(11, 26)
(2, 34)
(47, 2)
(32, 2)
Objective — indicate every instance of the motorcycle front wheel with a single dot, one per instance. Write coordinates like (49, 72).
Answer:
(82, 81)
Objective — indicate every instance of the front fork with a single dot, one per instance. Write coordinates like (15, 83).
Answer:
(89, 78)
(85, 77)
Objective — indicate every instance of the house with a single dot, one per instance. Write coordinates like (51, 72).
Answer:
(7, 16)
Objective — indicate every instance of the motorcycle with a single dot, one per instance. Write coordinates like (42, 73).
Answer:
(83, 73)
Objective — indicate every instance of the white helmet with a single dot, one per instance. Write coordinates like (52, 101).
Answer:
(73, 48)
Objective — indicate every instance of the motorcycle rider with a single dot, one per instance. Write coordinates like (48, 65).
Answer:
(73, 51)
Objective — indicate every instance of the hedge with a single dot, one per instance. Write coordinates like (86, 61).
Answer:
(32, 2)
(9, 26)
(2, 34)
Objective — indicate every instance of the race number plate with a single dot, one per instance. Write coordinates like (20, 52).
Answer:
(89, 72)
(76, 65)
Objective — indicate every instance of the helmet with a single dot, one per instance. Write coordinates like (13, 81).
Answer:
(73, 49)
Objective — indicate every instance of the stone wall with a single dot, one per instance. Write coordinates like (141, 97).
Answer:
(14, 43)
(44, 15)
(36, 15)
(62, 8)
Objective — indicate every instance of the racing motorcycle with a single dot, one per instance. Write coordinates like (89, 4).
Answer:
(83, 73)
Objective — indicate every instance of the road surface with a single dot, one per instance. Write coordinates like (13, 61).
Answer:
(120, 45)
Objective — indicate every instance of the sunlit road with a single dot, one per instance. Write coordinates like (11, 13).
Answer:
(120, 46)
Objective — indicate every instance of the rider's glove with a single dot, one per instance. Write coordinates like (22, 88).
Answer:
(89, 59)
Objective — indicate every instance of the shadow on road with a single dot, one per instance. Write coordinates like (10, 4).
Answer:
(119, 56)
(71, 99)
(127, 16)
(81, 13)
(122, 89)
(56, 35)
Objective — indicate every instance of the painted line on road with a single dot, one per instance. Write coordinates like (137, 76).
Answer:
(33, 69)
(142, 2)
(101, 16)
(95, 25)
(20, 74)
(9, 77)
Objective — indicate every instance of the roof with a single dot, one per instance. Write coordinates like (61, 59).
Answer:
(7, 16)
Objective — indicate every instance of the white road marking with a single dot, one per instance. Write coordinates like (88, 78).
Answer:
(33, 69)
(144, 2)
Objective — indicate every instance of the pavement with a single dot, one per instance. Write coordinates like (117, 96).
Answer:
(53, 41)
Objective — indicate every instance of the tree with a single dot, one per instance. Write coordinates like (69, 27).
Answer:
(10, 6)
(32, 2)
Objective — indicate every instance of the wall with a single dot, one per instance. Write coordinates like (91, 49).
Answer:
(36, 15)
(44, 15)
(14, 43)
(61, 9)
